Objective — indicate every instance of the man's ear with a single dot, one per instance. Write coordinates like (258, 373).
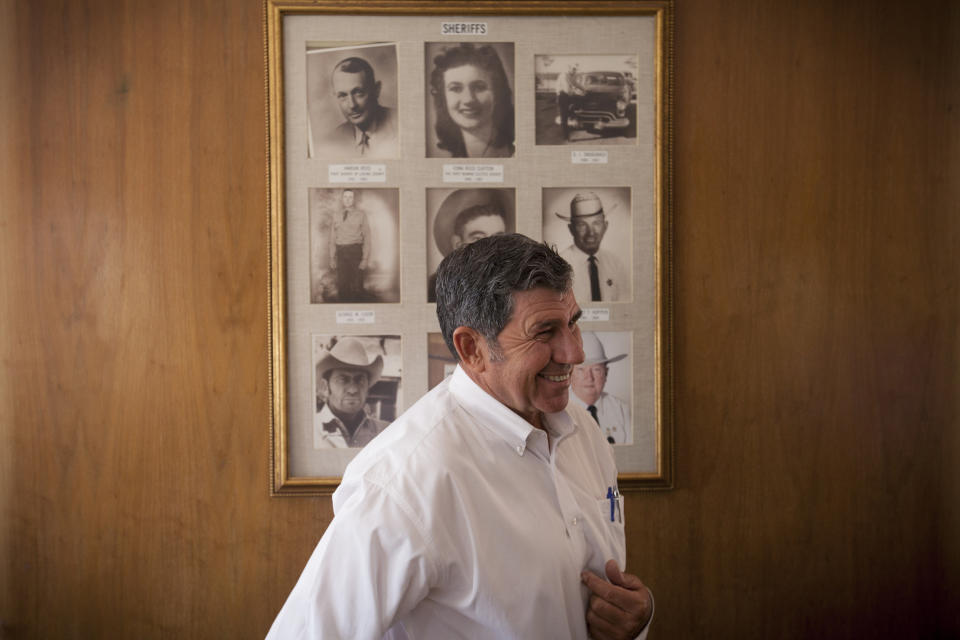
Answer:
(472, 349)
(376, 89)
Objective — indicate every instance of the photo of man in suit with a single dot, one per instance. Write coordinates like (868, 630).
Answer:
(347, 115)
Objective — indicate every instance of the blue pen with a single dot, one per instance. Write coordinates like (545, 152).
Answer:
(612, 498)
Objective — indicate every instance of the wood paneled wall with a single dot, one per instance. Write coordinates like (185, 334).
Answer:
(817, 163)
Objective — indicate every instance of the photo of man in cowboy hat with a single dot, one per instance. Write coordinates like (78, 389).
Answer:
(345, 374)
(463, 216)
(589, 379)
(600, 274)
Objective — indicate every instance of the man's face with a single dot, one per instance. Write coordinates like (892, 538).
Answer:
(588, 381)
(479, 228)
(538, 348)
(587, 232)
(357, 96)
(347, 199)
(347, 390)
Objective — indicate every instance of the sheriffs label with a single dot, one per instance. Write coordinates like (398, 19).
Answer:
(463, 28)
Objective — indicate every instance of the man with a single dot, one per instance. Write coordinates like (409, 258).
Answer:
(568, 89)
(471, 224)
(345, 374)
(370, 128)
(349, 246)
(599, 275)
(589, 378)
(482, 511)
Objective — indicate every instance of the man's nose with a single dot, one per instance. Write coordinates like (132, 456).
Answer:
(569, 349)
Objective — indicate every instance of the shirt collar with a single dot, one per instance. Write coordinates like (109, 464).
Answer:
(326, 416)
(371, 131)
(499, 418)
(581, 255)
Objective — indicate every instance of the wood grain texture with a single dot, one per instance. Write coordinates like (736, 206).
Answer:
(817, 155)
(817, 207)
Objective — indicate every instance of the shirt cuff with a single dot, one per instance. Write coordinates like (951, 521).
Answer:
(643, 634)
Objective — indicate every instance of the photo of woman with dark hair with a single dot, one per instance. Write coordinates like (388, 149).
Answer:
(473, 102)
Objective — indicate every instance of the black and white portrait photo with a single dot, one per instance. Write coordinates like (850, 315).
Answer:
(351, 102)
(470, 100)
(589, 99)
(354, 245)
(457, 217)
(357, 381)
(591, 228)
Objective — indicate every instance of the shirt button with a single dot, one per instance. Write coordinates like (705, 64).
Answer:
(519, 449)
(574, 522)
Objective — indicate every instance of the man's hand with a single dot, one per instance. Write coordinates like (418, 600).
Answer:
(619, 609)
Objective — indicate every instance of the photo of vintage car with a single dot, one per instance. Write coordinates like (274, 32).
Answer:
(586, 99)
(604, 102)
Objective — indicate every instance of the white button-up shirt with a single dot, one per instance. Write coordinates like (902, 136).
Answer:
(461, 520)
(613, 275)
(613, 417)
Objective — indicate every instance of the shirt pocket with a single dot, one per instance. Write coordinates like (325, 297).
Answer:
(605, 537)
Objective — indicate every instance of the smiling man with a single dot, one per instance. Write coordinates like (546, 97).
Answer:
(490, 508)
(369, 129)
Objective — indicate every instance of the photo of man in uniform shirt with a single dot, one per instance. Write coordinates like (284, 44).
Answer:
(354, 245)
(349, 248)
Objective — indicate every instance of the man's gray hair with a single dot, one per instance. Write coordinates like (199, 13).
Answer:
(354, 64)
(476, 282)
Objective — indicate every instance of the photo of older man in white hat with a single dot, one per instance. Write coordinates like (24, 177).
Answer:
(600, 272)
(587, 383)
(345, 374)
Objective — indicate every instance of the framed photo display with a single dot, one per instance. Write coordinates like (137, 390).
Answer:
(399, 130)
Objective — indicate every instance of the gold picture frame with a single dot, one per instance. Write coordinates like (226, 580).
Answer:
(618, 54)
